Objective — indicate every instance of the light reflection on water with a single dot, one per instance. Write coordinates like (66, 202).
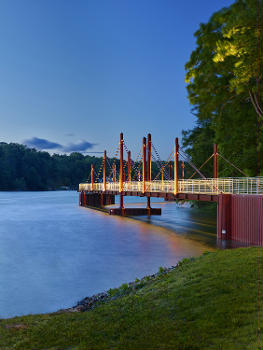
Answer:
(54, 253)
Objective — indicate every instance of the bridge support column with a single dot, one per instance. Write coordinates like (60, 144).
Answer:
(149, 206)
(240, 218)
(96, 200)
(224, 216)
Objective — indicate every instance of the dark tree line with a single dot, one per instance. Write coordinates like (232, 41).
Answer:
(26, 169)
(23, 168)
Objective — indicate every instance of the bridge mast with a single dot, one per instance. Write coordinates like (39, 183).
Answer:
(149, 166)
(176, 157)
(144, 164)
(105, 172)
(121, 171)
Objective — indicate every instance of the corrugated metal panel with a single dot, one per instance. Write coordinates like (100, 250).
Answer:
(247, 219)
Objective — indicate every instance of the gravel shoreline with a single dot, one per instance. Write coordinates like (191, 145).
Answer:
(89, 303)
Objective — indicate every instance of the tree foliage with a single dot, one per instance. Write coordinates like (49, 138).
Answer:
(224, 76)
(23, 168)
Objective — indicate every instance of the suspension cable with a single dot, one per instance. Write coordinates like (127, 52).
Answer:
(125, 146)
(160, 165)
(186, 157)
(136, 172)
(136, 161)
(242, 172)
(98, 175)
(114, 159)
(167, 162)
(201, 166)
(159, 161)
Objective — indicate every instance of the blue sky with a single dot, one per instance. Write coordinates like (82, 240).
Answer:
(78, 72)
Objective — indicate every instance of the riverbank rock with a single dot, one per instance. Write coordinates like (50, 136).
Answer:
(89, 303)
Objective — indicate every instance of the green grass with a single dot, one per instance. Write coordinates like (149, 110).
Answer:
(212, 302)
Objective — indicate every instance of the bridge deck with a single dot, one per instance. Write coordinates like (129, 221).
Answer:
(197, 189)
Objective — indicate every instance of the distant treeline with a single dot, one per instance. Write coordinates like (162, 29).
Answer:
(23, 168)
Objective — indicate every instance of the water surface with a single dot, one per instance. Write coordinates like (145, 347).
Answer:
(54, 253)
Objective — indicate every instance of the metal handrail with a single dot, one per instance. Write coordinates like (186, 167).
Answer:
(237, 185)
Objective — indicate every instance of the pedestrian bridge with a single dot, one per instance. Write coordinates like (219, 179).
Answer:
(239, 199)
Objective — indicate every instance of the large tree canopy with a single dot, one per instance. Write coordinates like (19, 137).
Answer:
(225, 87)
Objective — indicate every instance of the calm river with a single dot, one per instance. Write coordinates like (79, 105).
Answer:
(53, 253)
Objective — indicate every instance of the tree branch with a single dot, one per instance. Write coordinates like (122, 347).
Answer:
(256, 102)
(255, 106)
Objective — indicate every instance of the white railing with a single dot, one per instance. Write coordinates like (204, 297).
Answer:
(241, 185)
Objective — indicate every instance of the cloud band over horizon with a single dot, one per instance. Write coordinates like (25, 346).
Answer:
(44, 144)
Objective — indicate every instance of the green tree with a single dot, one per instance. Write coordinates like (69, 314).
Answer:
(224, 76)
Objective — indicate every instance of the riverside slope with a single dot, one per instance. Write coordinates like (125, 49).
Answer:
(211, 302)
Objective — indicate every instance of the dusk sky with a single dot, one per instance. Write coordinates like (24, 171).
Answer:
(75, 73)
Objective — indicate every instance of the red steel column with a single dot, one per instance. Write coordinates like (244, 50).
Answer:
(224, 216)
(170, 170)
(176, 158)
(105, 172)
(121, 163)
(129, 166)
(144, 164)
(92, 177)
(215, 162)
(121, 171)
(149, 157)
(149, 167)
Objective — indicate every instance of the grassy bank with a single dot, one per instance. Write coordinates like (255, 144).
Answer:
(212, 302)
